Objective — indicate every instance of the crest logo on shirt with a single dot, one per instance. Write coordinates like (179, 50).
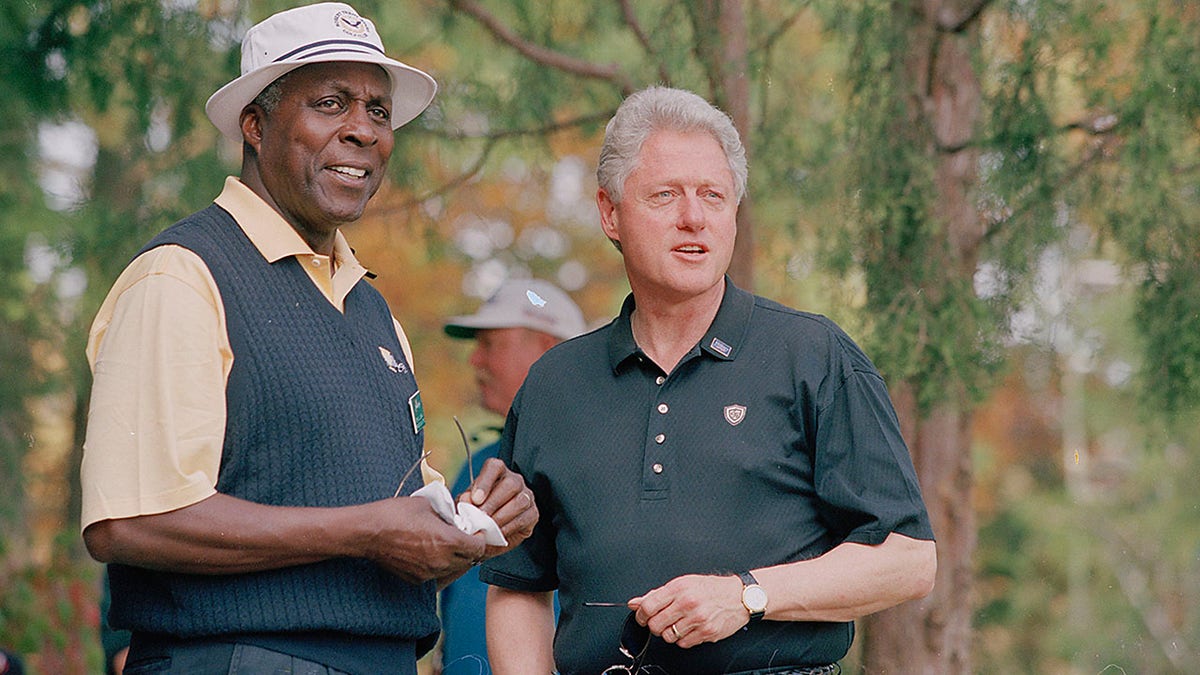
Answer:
(734, 414)
(392, 364)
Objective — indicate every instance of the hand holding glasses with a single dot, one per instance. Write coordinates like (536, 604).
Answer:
(633, 644)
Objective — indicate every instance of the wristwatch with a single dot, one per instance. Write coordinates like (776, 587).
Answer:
(754, 598)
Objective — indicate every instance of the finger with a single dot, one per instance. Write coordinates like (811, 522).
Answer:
(494, 486)
(518, 513)
(651, 604)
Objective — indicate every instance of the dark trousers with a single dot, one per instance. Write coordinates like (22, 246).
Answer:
(216, 658)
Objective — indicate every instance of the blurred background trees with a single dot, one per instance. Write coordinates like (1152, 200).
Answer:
(998, 198)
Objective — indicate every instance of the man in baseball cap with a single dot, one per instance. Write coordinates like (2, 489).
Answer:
(522, 320)
(254, 406)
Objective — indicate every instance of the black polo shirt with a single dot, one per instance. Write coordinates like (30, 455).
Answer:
(772, 441)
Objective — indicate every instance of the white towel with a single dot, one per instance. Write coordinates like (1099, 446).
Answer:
(468, 517)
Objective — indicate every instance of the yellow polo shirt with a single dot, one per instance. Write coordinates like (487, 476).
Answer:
(160, 356)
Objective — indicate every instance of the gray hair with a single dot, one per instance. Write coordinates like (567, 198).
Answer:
(268, 99)
(663, 108)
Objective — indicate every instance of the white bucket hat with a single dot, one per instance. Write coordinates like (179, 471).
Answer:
(523, 303)
(328, 31)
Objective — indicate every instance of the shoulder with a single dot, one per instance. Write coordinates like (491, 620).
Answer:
(580, 352)
(807, 331)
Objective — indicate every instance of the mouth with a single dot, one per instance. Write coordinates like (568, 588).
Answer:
(691, 249)
(349, 171)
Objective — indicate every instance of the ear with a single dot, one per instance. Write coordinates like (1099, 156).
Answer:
(251, 122)
(608, 215)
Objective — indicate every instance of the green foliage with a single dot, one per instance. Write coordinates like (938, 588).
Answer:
(1099, 571)
(1151, 201)
(1088, 121)
(926, 325)
(48, 613)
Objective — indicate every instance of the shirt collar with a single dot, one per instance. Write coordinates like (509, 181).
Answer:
(722, 341)
(273, 236)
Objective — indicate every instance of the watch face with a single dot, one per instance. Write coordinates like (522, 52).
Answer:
(755, 598)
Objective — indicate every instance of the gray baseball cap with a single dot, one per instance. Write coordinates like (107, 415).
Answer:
(523, 303)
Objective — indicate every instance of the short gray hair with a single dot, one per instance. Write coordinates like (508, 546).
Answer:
(268, 99)
(657, 109)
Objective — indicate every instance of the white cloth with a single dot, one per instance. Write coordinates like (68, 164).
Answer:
(468, 517)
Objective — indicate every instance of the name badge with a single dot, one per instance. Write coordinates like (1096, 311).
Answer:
(417, 410)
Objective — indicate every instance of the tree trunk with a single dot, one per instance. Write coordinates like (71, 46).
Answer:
(735, 85)
(934, 635)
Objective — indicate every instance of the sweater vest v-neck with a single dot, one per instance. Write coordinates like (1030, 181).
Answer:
(317, 414)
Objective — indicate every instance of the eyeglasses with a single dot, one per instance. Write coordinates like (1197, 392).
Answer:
(635, 642)
(466, 449)
(633, 645)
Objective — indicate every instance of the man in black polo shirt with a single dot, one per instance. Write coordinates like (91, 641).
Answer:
(726, 467)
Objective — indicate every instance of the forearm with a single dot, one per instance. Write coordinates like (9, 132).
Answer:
(520, 632)
(850, 581)
(226, 535)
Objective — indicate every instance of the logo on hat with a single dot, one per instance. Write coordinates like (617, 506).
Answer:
(351, 23)
(734, 414)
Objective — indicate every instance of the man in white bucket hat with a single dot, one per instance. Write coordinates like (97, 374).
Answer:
(254, 415)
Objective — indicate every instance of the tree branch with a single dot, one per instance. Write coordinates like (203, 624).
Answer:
(703, 17)
(542, 55)
(778, 32)
(549, 128)
(491, 140)
(1096, 154)
(947, 24)
(453, 183)
(635, 27)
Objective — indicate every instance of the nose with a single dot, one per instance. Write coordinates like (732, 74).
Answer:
(359, 128)
(692, 214)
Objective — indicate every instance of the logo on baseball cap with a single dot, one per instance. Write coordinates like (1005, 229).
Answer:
(523, 303)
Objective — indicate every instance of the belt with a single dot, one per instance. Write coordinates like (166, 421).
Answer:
(830, 669)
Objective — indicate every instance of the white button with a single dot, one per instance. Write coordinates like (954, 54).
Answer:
(659, 438)
(657, 468)
(316, 262)
(660, 379)
(662, 408)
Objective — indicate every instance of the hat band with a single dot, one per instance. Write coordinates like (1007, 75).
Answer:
(343, 44)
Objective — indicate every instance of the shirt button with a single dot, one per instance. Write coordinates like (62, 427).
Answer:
(316, 262)
(657, 468)
(660, 438)
(662, 408)
(660, 379)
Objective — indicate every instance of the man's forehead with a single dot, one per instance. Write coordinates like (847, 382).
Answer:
(682, 153)
(340, 76)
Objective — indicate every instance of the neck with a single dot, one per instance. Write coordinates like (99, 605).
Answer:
(667, 331)
(320, 241)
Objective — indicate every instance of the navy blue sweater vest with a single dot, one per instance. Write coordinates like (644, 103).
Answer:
(317, 415)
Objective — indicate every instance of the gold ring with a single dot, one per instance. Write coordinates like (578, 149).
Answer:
(675, 631)
(528, 499)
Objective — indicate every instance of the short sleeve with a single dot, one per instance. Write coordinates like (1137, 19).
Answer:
(532, 565)
(863, 473)
(160, 358)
